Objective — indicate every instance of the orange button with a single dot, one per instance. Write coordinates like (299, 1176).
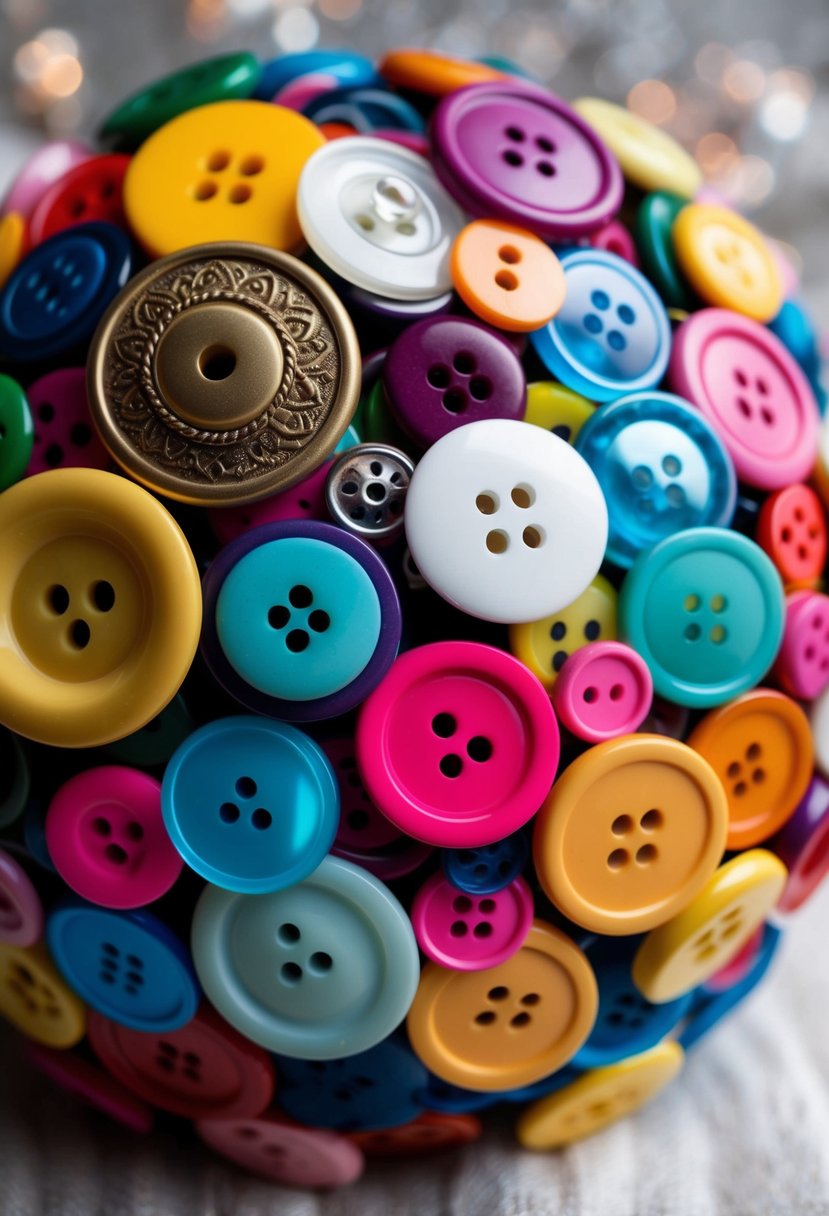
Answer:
(630, 833)
(431, 1132)
(12, 243)
(727, 260)
(506, 275)
(433, 73)
(760, 746)
(509, 1025)
(792, 529)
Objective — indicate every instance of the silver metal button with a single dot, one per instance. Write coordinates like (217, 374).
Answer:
(365, 491)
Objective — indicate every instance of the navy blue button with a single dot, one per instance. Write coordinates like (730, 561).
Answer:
(450, 1099)
(710, 1008)
(365, 110)
(345, 65)
(487, 869)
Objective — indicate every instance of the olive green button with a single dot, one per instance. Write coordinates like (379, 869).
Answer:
(652, 232)
(17, 432)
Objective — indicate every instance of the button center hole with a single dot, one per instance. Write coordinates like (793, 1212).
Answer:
(217, 362)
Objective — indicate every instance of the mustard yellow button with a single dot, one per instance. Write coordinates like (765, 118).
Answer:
(507, 276)
(12, 241)
(222, 172)
(688, 949)
(35, 998)
(544, 645)
(557, 409)
(508, 1025)
(649, 158)
(599, 1098)
(630, 832)
(727, 261)
(431, 72)
(100, 605)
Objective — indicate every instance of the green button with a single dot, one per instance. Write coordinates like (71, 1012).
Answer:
(17, 432)
(377, 424)
(654, 221)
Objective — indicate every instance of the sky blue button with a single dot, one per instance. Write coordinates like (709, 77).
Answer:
(490, 867)
(127, 965)
(661, 468)
(705, 610)
(612, 335)
(709, 1008)
(251, 804)
(346, 66)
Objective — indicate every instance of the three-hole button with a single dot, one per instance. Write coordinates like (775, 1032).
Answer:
(478, 748)
(300, 962)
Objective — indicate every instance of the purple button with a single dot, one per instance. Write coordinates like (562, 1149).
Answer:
(21, 912)
(64, 434)
(511, 149)
(803, 846)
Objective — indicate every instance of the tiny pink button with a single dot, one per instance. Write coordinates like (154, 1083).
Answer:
(107, 839)
(64, 434)
(92, 1086)
(802, 666)
(471, 932)
(21, 911)
(613, 237)
(45, 166)
(458, 745)
(297, 93)
(305, 500)
(603, 690)
(752, 392)
(284, 1152)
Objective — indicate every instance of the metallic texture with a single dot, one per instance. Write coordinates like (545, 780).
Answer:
(365, 490)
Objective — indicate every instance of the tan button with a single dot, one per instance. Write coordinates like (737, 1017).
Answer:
(35, 998)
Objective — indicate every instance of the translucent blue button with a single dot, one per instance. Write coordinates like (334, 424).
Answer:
(346, 66)
(251, 804)
(487, 869)
(710, 1008)
(127, 965)
(366, 110)
(705, 610)
(662, 468)
(612, 335)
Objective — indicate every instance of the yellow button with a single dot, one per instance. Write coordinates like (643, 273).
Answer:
(544, 645)
(649, 158)
(630, 833)
(557, 409)
(599, 1098)
(727, 261)
(701, 939)
(222, 172)
(100, 607)
(35, 998)
(12, 240)
(508, 1025)
(507, 276)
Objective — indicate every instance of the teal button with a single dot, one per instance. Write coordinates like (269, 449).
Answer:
(652, 232)
(705, 609)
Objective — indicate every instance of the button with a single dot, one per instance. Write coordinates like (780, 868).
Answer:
(796, 330)
(280, 1152)
(35, 998)
(604, 690)
(539, 1089)
(513, 151)
(650, 159)
(631, 831)
(453, 1100)
(791, 528)
(300, 92)
(753, 393)
(704, 609)
(252, 805)
(727, 261)
(103, 598)
(529, 522)
(46, 164)
(21, 910)
(92, 1086)
(509, 1025)
(736, 969)
(107, 839)
(431, 1132)
(302, 620)
(489, 868)
(557, 409)
(323, 970)
(344, 64)
(612, 335)
(56, 295)
(803, 846)
(63, 433)
(507, 276)
(598, 1098)
(127, 965)
(614, 237)
(238, 388)
(378, 217)
(458, 746)
(760, 747)
(470, 933)
(365, 110)
(12, 243)
(661, 467)
(365, 491)
(378, 423)
(155, 743)
(204, 1070)
(16, 432)
(666, 718)
(653, 229)
(802, 666)
(711, 1008)
(545, 645)
(432, 73)
(305, 500)
(89, 191)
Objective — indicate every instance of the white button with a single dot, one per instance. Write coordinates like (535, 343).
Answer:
(377, 215)
(506, 521)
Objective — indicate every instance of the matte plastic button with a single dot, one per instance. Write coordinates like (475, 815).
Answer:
(365, 491)
(545, 645)
(35, 999)
(16, 432)
(654, 240)
(64, 436)
(507, 276)
(46, 164)
(92, 1086)
(281, 1152)
(12, 243)
(649, 158)
(471, 933)
(90, 191)
(21, 910)
(432, 73)
(791, 528)
(605, 689)
(431, 1132)
(802, 665)
(557, 409)
(727, 261)
(803, 846)
(305, 500)
(488, 868)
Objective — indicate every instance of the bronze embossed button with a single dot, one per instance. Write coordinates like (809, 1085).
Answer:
(224, 373)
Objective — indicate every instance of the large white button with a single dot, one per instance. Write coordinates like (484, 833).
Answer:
(505, 521)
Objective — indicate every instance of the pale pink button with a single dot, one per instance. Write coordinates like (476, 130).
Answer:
(45, 166)
(284, 1152)
(613, 237)
(802, 665)
(64, 434)
(603, 690)
(305, 500)
(471, 932)
(21, 911)
(92, 1086)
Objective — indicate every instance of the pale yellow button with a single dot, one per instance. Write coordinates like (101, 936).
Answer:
(545, 645)
(727, 261)
(649, 158)
(12, 239)
(35, 998)
(558, 409)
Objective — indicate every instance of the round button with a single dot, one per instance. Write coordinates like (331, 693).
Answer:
(509, 1025)
(604, 690)
(458, 746)
(16, 432)
(753, 393)
(12, 243)
(612, 335)
(529, 522)
(46, 164)
(736, 969)
(614, 237)
(803, 846)
(92, 1086)
(470, 933)
(631, 831)
(102, 594)
(654, 241)
(305, 500)
(710, 1008)
(432, 73)
(649, 158)
(727, 261)
(802, 665)
(239, 387)
(14, 779)
(21, 910)
(35, 998)
(431, 1132)
(544, 646)
(557, 409)
(452, 1099)
(507, 276)
(489, 868)
(791, 527)
(155, 743)
(63, 433)
(89, 191)
(365, 491)
(252, 805)
(284, 1153)
(365, 110)
(345, 65)
(704, 609)
(107, 839)
(515, 152)
(322, 970)
(683, 952)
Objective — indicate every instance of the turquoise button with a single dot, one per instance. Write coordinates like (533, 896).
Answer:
(705, 610)
(349, 440)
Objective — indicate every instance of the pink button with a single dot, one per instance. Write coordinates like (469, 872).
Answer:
(205, 1070)
(297, 93)
(471, 932)
(615, 238)
(284, 1152)
(64, 434)
(458, 745)
(305, 500)
(92, 1086)
(107, 839)
(603, 690)
(21, 911)
(802, 666)
(45, 166)
(752, 392)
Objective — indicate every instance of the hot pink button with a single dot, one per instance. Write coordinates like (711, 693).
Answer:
(753, 393)
(21, 911)
(615, 238)
(458, 745)
(297, 93)
(305, 500)
(603, 690)
(64, 434)
(471, 932)
(45, 166)
(802, 666)
(284, 1152)
(92, 1086)
(107, 839)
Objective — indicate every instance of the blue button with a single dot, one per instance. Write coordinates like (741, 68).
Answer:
(350, 439)
(452, 1100)
(794, 328)
(346, 66)
(487, 869)
(252, 805)
(661, 467)
(612, 335)
(366, 110)
(127, 965)
(547, 1085)
(710, 1008)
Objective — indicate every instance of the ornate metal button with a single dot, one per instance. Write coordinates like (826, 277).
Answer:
(365, 490)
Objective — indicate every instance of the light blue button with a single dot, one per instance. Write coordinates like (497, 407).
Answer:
(345, 65)
(350, 439)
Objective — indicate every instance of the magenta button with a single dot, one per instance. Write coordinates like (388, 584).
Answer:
(615, 238)
(803, 846)
(471, 932)
(284, 1152)
(305, 500)
(603, 690)
(802, 665)
(92, 1086)
(21, 912)
(45, 166)
(64, 434)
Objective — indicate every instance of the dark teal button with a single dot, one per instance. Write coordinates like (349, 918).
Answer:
(16, 432)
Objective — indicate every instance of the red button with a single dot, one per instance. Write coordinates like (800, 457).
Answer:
(431, 1132)
(90, 191)
(92, 1086)
(792, 529)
